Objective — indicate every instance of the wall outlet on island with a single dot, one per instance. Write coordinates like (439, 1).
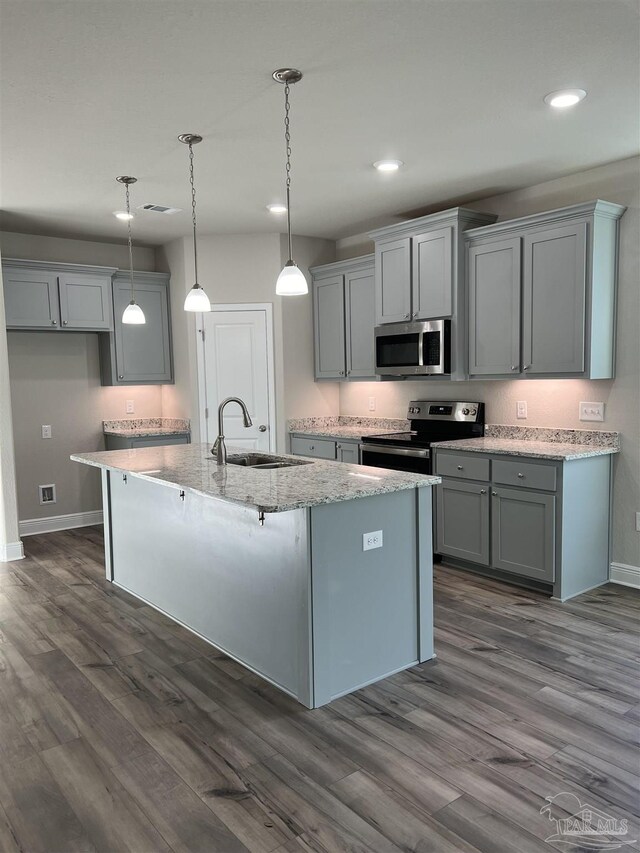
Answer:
(372, 404)
(372, 540)
(521, 409)
(130, 408)
(46, 430)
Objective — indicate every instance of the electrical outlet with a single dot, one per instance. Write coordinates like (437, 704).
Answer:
(130, 407)
(372, 540)
(591, 411)
(638, 522)
(521, 409)
(47, 493)
(372, 404)
(46, 430)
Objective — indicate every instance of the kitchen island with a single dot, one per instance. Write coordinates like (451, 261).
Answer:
(269, 564)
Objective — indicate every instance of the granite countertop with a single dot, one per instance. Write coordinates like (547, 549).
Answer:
(346, 427)
(191, 467)
(139, 427)
(564, 451)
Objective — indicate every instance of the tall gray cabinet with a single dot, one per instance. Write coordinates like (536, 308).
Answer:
(419, 273)
(542, 294)
(344, 319)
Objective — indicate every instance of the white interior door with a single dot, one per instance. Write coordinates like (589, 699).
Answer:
(238, 362)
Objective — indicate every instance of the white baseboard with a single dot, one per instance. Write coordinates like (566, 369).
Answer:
(31, 526)
(11, 551)
(626, 575)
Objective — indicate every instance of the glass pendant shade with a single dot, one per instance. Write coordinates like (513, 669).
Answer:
(291, 281)
(197, 300)
(133, 315)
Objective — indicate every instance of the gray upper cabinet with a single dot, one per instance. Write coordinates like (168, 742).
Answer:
(553, 300)
(344, 319)
(494, 307)
(329, 338)
(432, 278)
(135, 355)
(393, 280)
(419, 274)
(67, 297)
(85, 301)
(30, 298)
(542, 294)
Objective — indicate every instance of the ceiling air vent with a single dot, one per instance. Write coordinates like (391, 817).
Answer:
(160, 208)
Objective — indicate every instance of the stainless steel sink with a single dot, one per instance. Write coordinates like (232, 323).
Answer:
(264, 461)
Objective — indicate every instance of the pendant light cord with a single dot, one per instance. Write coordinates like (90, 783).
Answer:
(126, 189)
(287, 140)
(193, 212)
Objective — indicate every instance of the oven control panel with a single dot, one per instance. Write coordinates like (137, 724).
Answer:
(443, 410)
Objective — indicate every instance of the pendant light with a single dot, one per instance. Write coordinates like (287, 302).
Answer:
(196, 300)
(291, 281)
(133, 314)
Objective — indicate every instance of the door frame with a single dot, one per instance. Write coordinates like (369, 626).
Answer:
(201, 343)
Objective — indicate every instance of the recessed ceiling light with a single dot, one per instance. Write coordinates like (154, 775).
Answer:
(277, 208)
(122, 214)
(388, 165)
(565, 98)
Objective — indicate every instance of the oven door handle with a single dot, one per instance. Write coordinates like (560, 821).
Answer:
(395, 451)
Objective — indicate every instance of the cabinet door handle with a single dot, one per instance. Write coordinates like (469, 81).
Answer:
(526, 367)
(414, 315)
(64, 322)
(120, 376)
(407, 316)
(494, 494)
(54, 322)
(342, 373)
(514, 367)
(483, 491)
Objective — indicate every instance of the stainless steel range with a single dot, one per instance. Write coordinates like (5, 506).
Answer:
(431, 420)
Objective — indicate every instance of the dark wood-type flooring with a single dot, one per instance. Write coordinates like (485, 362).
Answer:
(121, 731)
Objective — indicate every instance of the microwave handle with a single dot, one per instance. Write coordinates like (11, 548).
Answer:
(421, 349)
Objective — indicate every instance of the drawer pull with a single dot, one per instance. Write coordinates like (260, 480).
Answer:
(460, 467)
(521, 476)
(312, 447)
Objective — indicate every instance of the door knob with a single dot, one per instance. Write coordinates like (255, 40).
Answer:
(262, 428)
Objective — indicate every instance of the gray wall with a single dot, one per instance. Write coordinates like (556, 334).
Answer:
(555, 402)
(55, 379)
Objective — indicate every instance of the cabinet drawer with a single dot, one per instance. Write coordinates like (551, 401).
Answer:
(515, 473)
(321, 448)
(464, 467)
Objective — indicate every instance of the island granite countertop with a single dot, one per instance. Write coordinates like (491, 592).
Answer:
(192, 468)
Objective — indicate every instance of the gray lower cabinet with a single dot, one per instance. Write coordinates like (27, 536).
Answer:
(348, 451)
(533, 521)
(344, 319)
(523, 525)
(66, 297)
(135, 355)
(462, 520)
(542, 294)
(123, 442)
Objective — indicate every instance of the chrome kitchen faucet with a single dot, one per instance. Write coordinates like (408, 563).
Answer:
(219, 448)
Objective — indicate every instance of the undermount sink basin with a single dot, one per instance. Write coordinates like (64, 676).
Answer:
(264, 461)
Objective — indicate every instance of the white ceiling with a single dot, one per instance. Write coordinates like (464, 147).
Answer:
(95, 88)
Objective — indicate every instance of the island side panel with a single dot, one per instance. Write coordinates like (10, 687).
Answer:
(365, 603)
(424, 500)
(212, 567)
(106, 522)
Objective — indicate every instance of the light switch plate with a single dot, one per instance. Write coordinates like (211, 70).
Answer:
(372, 540)
(130, 407)
(46, 430)
(521, 409)
(591, 411)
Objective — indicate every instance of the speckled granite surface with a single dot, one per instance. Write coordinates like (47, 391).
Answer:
(192, 468)
(347, 427)
(137, 427)
(587, 437)
(564, 451)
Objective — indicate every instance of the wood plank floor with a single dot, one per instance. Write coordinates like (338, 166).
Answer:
(121, 731)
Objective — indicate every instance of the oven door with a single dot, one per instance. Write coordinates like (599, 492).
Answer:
(416, 460)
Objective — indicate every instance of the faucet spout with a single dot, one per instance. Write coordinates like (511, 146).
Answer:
(219, 448)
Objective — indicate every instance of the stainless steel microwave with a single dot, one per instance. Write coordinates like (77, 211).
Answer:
(413, 349)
